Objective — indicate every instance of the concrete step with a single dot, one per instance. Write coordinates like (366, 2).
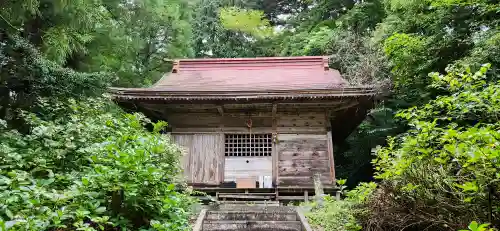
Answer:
(251, 216)
(252, 226)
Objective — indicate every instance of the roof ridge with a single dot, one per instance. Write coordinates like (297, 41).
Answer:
(261, 73)
(255, 58)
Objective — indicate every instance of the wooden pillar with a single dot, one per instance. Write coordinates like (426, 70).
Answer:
(330, 146)
(330, 156)
(222, 157)
(274, 154)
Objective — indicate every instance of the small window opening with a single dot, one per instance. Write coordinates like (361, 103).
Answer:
(248, 145)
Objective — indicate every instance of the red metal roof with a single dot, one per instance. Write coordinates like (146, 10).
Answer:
(251, 74)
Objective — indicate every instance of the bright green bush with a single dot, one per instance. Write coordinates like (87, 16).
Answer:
(444, 171)
(474, 226)
(341, 215)
(334, 215)
(90, 168)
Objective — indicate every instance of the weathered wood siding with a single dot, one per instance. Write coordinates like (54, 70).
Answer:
(213, 120)
(238, 167)
(302, 149)
(307, 122)
(300, 157)
(286, 122)
(203, 157)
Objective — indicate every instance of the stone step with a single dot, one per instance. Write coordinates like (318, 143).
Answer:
(254, 196)
(268, 209)
(250, 215)
(250, 205)
(252, 226)
(249, 202)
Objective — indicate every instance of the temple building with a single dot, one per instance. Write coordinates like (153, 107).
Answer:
(261, 127)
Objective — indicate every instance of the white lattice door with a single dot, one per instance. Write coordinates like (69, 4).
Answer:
(248, 156)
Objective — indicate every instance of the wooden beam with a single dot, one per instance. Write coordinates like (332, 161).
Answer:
(347, 106)
(328, 122)
(315, 103)
(220, 109)
(235, 130)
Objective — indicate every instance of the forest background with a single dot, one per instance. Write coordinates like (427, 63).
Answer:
(60, 145)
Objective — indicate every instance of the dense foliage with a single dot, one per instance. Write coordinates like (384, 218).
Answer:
(26, 76)
(93, 168)
(66, 162)
(341, 215)
(69, 159)
(132, 39)
(444, 171)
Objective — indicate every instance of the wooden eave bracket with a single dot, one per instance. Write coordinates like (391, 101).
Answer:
(220, 109)
(346, 106)
(274, 110)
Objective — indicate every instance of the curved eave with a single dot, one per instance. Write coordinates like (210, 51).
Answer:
(128, 94)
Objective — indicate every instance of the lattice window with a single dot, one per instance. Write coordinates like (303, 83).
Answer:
(248, 145)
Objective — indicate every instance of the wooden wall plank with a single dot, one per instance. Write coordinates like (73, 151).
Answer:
(303, 155)
(202, 158)
(300, 157)
(285, 122)
(185, 143)
(311, 120)
(293, 137)
(233, 130)
(314, 163)
(302, 171)
(304, 145)
(214, 120)
(301, 130)
(244, 130)
(301, 181)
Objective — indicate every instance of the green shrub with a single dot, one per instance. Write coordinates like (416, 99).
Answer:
(90, 169)
(474, 226)
(341, 215)
(334, 215)
(361, 193)
(442, 173)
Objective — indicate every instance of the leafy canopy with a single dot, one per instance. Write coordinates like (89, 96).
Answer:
(449, 156)
(90, 167)
(248, 21)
